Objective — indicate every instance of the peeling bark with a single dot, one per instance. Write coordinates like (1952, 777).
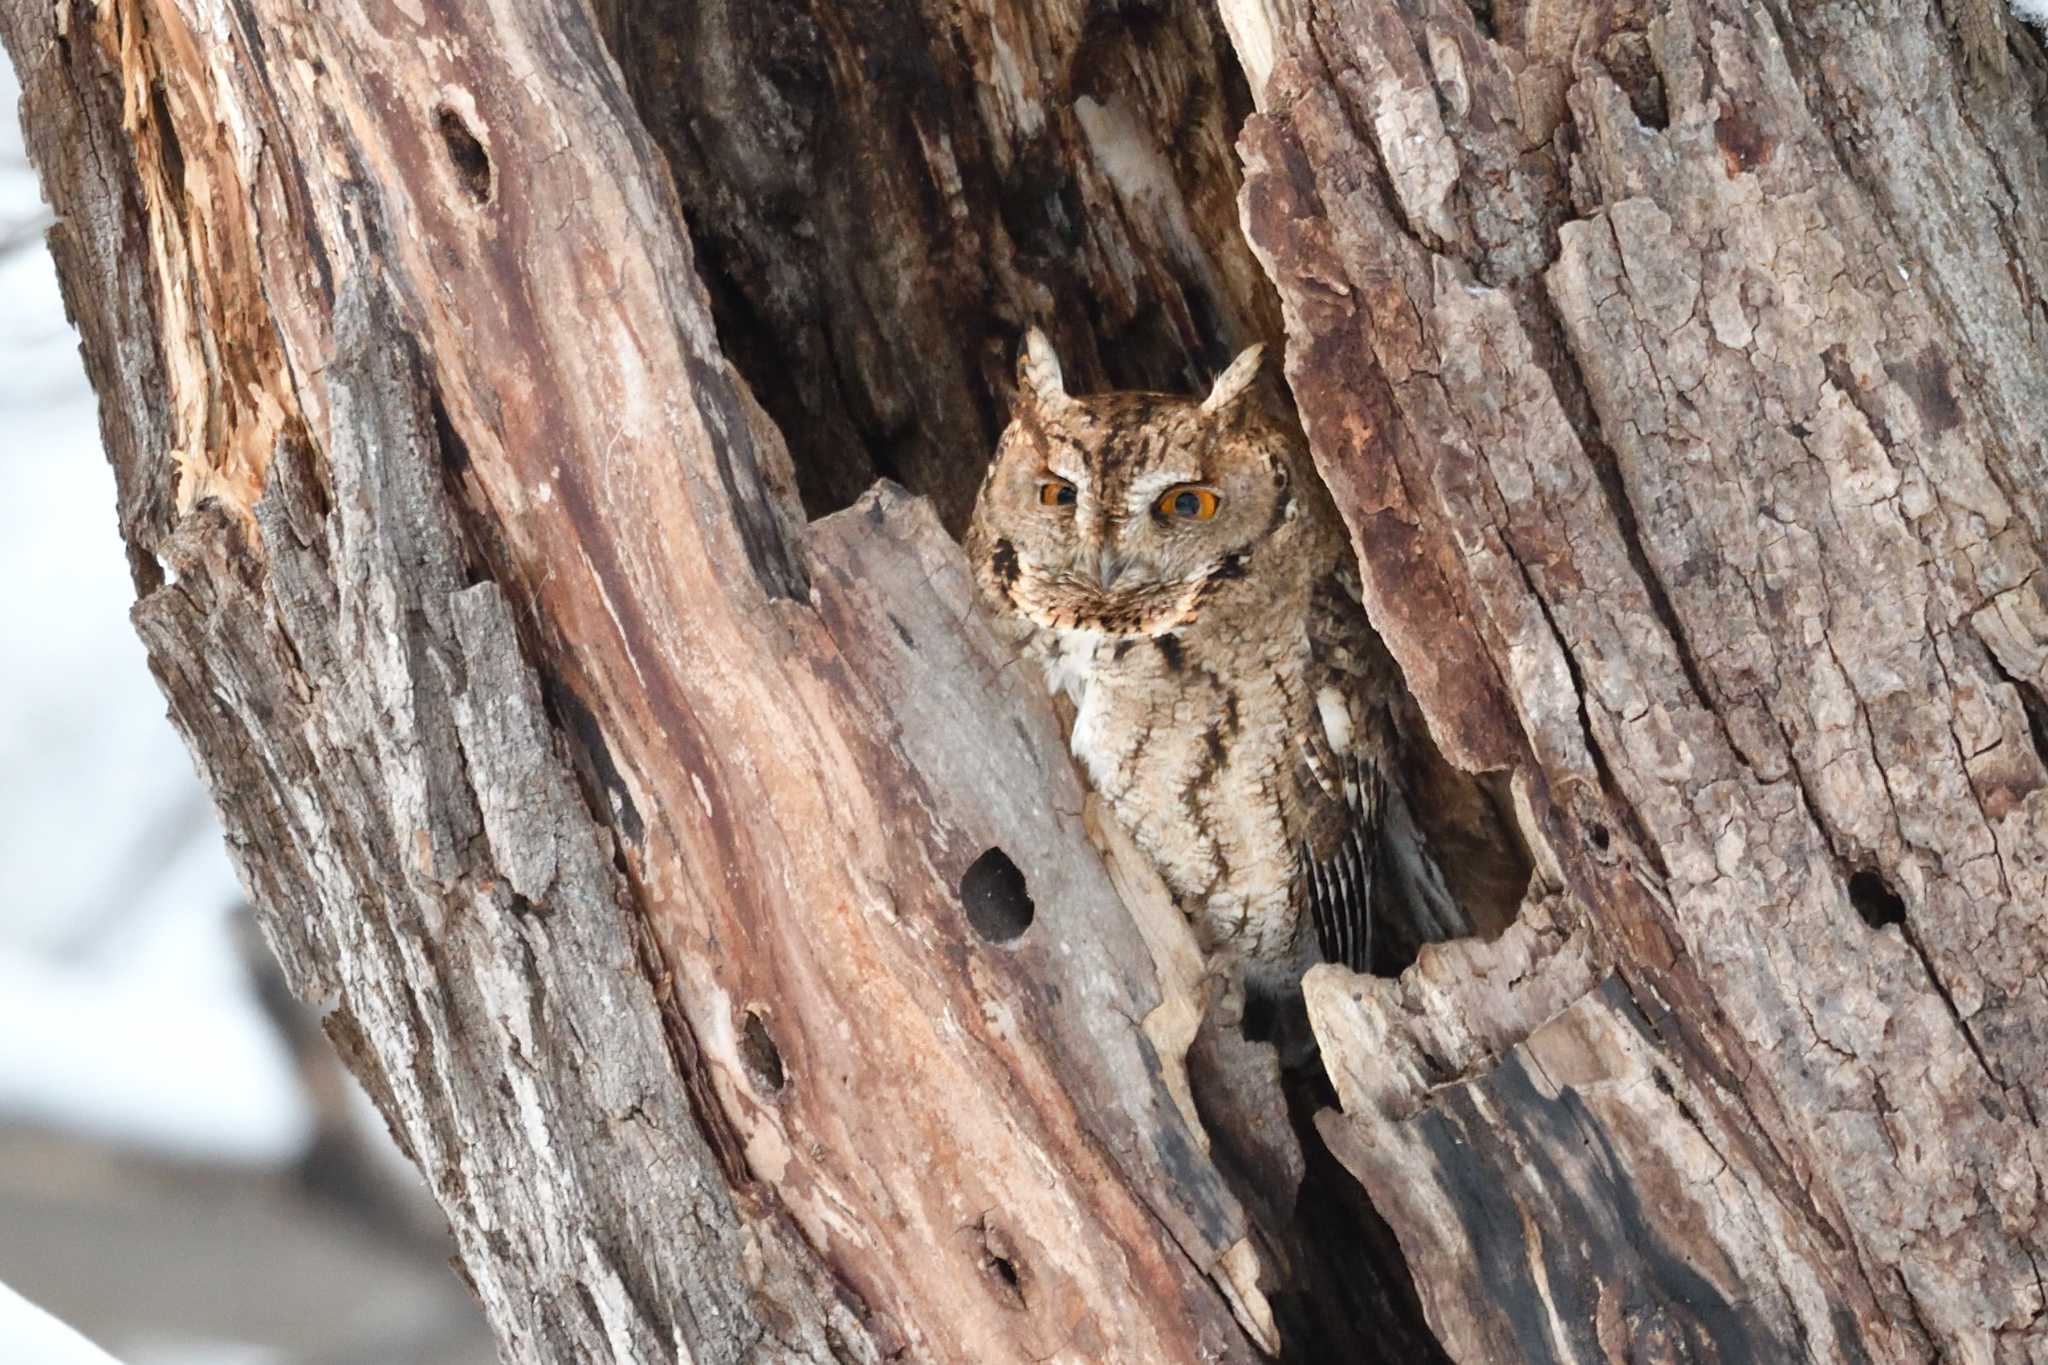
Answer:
(1689, 443)
(703, 893)
(685, 1051)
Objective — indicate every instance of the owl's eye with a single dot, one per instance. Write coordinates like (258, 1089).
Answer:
(1056, 493)
(1187, 502)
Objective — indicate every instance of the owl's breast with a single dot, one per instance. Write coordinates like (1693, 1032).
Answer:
(1200, 763)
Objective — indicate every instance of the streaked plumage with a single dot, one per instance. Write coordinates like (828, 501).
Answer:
(1231, 701)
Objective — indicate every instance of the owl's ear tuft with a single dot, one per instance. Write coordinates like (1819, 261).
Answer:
(1039, 374)
(1232, 383)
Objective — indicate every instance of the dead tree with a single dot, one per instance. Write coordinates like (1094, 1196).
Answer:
(706, 900)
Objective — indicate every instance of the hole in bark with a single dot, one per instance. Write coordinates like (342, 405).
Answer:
(999, 1262)
(1875, 900)
(763, 1059)
(1003, 1270)
(2032, 702)
(1600, 838)
(467, 155)
(454, 450)
(173, 150)
(998, 903)
(1630, 62)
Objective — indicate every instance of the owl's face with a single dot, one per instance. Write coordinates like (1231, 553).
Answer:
(1127, 513)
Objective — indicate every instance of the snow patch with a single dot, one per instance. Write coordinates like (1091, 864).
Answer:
(27, 1333)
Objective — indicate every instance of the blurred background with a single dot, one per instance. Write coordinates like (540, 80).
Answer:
(186, 1174)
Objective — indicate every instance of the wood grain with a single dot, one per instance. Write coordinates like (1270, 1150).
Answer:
(1672, 382)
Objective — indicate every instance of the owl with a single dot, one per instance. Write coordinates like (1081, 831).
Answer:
(1176, 569)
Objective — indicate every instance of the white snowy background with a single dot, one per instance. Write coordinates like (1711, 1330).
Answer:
(166, 1183)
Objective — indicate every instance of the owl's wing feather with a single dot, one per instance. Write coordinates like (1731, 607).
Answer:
(1343, 748)
(1338, 880)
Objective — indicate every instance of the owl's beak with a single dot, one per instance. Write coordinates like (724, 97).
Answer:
(1109, 566)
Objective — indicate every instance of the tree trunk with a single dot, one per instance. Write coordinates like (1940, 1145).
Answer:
(703, 894)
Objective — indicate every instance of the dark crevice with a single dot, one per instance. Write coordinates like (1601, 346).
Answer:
(173, 151)
(1948, 998)
(762, 1058)
(874, 238)
(466, 155)
(1875, 900)
(1358, 1271)
(2031, 701)
(1608, 468)
(604, 786)
(1597, 833)
(1801, 785)
(706, 1107)
(1343, 1290)
(454, 450)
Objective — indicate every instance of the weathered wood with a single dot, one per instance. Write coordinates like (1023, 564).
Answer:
(1677, 367)
(475, 420)
(885, 193)
(1689, 490)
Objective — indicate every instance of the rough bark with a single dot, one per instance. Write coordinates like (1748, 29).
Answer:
(1678, 369)
(1680, 372)
(413, 385)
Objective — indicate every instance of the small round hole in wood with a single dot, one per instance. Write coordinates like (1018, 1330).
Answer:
(763, 1059)
(997, 900)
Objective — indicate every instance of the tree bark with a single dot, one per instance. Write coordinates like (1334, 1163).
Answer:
(701, 891)
(1682, 379)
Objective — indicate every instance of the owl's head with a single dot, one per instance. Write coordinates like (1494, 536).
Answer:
(1129, 513)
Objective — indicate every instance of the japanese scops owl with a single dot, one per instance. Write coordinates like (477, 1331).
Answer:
(1177, 569)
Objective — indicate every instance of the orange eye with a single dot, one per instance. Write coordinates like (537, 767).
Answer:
(1056, 493)
(1187, 502)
